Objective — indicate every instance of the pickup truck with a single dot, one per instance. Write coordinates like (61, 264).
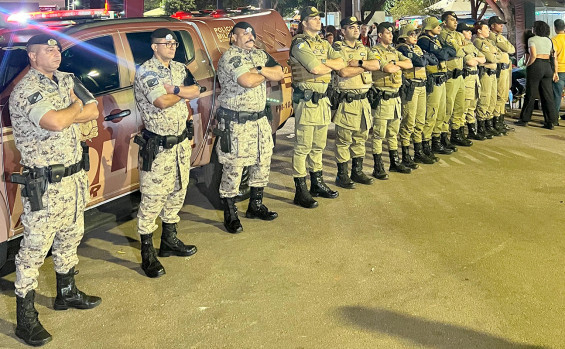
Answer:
(104, 55)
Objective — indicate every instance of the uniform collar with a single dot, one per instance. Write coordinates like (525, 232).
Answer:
(160, 64)
(56, 74)
(389, 48)
(241, 50)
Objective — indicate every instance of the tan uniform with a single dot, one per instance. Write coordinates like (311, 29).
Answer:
(389, 111)
(471, 82)
(455, 87)
(163, 188)
(251, 141)
(312, 119)
(505, 78)
(352, 119)
(61, 222)
(488, 91)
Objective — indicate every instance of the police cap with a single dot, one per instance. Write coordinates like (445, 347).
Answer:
(464, 26)
(429, 23)
(310, 11)
(495, 19)
(43, 39)
(447, 14)
(163, 33)
(385, 25)
(349, 21)
(245, 26)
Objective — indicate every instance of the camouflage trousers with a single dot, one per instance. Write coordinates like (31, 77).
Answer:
(60, 224)
(163, 189)
(251, 145)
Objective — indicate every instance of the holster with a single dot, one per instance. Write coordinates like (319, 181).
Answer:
(498, 70)
(374, 96)
(482, 71)
(148, 150)
(224, 135)
(306, 95)
(333, 96)
(85, 156)
(33, 187)
(407, 90)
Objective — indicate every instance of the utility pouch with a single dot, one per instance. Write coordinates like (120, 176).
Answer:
(85, 156)
(189, 129)
(169, 141)
(56, 173)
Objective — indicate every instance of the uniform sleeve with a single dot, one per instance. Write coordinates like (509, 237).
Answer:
(90, 99)
(451, 40)
(271, 62)
(442, 54)
(332, 53)
(505, 45)
(485, 49)
(431, 59)
(417, 60)
(234, 65)
(372, 55)
(36, 105)
(382, 60)
(400, 56)
(302, 52)
(151, 86)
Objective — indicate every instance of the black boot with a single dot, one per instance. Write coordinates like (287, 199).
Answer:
(464, 137)
(29, 329)
(302, 196)
(490, 129)
(444, 139)
(149, 262)
(437, 147)
(395, 164)
(500, 125)
(171, 245)
(473, 134)
(357, 174)
(231, 220)
(379, 168)
(482, 132)
(256, 209)
(69, 296)
(427, 149)
(458, 139)
(342, 179)
(319, 188)
(419, 155)
(407, 159)
(505, 125)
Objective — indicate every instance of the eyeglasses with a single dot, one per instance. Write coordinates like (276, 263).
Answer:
(168, 44)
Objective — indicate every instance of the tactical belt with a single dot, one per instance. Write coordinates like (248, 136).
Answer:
(490, 72)
(241, 117)
(438, 78)
(386, 95)
(166, 142)
(503, 66)
(417, 83)
(307, 95)
(455, 73)
(55, 173)
(350, 96)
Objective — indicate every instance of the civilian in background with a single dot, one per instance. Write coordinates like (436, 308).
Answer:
(330, 38)
(364, 37)
(559, 47)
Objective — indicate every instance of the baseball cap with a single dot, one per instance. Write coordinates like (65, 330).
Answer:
(349, 21)
(310, 11)
(163, 33)
(495, 19)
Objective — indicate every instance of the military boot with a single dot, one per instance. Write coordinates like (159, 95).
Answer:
(29, 329)
(149, 262)
(505, 125)
(444, 139)
(427, 149)
(319, 188)
(419, 155)
(464, 137)
(407, 159)
(473, 134)
(69, 296)
(490, 129)
(302, 196)
(171, 245)
(439, 148)
(458, 139)
(395, 164)
(231, 220)
(256, 209)
(357, 174)
(499, 122)
(342, 179)
(379, 168)
(481, 130)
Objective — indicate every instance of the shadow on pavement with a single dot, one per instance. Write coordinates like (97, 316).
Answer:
(425, 332)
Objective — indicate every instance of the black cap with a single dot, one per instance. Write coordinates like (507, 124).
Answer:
(245, 26)
(310, 11)
(349, 21)
(464, 26)
(495, 19)
(43, 39)
(163, 33)
(448, 13)
(385, 25)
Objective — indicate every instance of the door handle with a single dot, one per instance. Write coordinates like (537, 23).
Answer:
(121, 114)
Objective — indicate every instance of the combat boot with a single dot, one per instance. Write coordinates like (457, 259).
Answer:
(444, 139)
(499, 122)
(231, 220)
(171, 245)
(407, 159)
(319, 188)
(473, 134)
(342, 179)
(302, 196)
(505, 125)
(458, 139)
(149, 262)
(395, 164)
(490, 129)
(29, 329)
(256, 209)
(379, 168)
(419, 155)
(437, 147)
(482, 132)
(357, 174)
(464, 137)
(427, 149)
(69, 296)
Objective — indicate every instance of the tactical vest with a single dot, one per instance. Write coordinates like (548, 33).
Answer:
(415, 72)
(382, 79)
(441, 67)
(299, 72)
(361, 81)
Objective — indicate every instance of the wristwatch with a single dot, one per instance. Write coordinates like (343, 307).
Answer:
(259, 69)
(361, 63)
(393, 62)
(323, 60)
(176, 90)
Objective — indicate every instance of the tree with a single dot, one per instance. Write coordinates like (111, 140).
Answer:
(477, 12)
(172, 6)
(371, 6)
(407, 8)
(505, 10)
(151, 4)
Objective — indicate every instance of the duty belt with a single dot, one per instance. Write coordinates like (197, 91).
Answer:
(350, 96)
(166, 142)
(417, 83)
(241, 117)
(55, 173)
(307, 95)
(386, 95)
(503, 66)
(490, 71)
(455, 73)
(438, 78)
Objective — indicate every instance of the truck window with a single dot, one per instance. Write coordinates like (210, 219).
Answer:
(140, 44)
(13, 60)
(95, 63)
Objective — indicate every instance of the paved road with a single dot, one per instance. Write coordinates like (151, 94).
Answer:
(467, 253)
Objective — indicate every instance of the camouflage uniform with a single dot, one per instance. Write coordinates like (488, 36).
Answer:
(251, 142)
(61, 222)
(163, 188)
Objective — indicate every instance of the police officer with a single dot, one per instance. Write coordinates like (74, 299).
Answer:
(435, 85)
(496, 26)
(46, 114)
(388, 109)
(414, 96)
(455, 85)
(473, 57)
(488, 91)
(353, 117)
(312, 60)
(165, 149)
(245, 131)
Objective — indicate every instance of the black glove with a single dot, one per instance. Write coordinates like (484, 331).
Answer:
(81, 92)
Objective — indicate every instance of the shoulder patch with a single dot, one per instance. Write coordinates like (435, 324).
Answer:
(34, 98)
(152, 82)
(235, 61)
(337, 46)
